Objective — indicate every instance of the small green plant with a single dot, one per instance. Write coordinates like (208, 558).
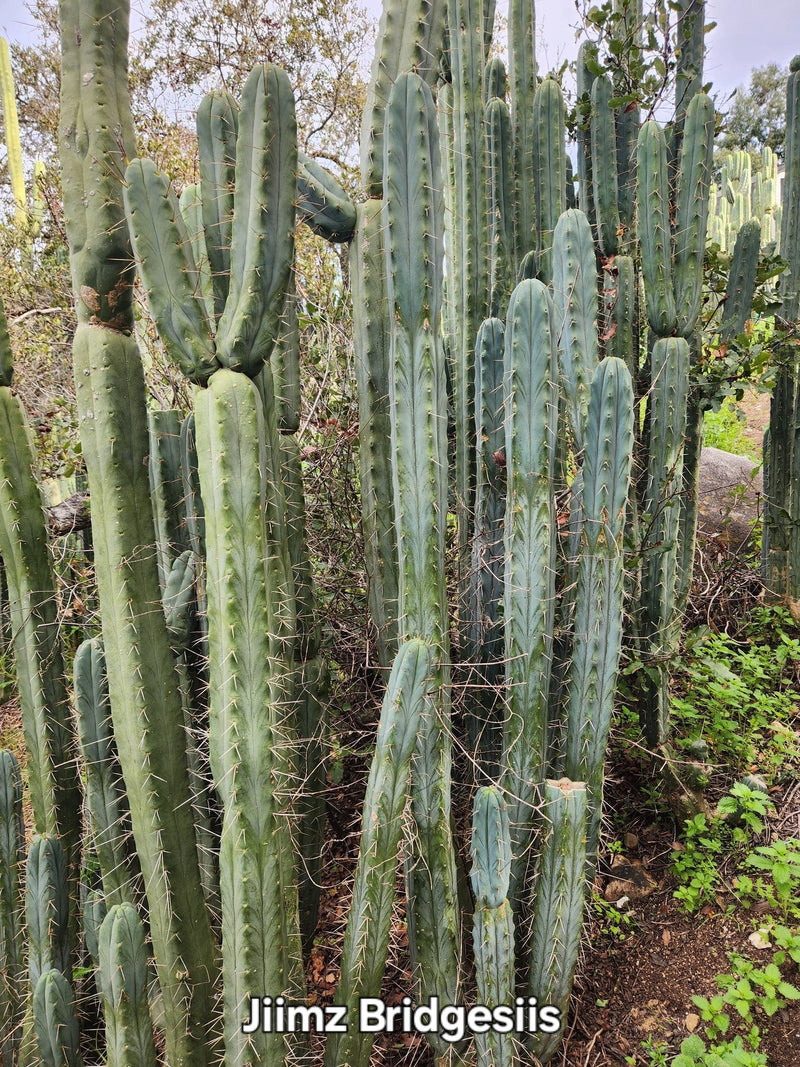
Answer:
(657, 1052)
(696, 864)
(739, 696)
(707, 839)
(614, 922)
(725, 429)
(779, 884)
(695, 1053)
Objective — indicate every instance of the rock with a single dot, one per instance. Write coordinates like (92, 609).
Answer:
(692, 1022)
(628, 879)
(729, 494)
(758, 940)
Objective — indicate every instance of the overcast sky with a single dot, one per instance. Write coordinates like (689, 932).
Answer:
(749, 33)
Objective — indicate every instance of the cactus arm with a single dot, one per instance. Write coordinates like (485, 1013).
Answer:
(97, 139)
(285, 361)
(558, 906)
(469, 249)
(597, 641)
(691, 213)
(6, 353)
(654, 233)
(322, 203)
(689, 54)
(191, 206)
(46, 909)
(107, 803)
(522, 78)
(486, 578)
(620, 294)
(168, 270)
(371, 358)
(164, 428)
(741, 281)
(585, 74)
(367, 937)
(13, 143)
(493, 923)
(604, 166)
(575, 308)
(550, 168)
(260, 933)
(217, 128)
(495, 80)
(262, 238)
(414, 255)
(122, 977)
(410, 37)
(667, 426)
(49, 736)
(499, 207)
(531, 414)
(56, 1022)
(12, 840)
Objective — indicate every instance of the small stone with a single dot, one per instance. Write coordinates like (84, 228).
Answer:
(629, 878)
(631, 840)
(758, 940)
(692, 1022)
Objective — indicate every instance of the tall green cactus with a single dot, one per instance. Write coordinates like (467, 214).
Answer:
(493, 921)
(96, 135)
(558, 900)
(123, 978)
(56, 1021)
(530, 545)
(217, 269)
(106, 800)
(413, 216)
(248, 681)
(367, 937)
(12, 837)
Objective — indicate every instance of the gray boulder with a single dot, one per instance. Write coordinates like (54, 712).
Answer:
(730, 494)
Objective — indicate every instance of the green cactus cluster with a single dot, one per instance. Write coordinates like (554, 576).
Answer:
(504, 341)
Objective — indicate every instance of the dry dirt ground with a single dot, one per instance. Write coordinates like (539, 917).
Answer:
(631, 987)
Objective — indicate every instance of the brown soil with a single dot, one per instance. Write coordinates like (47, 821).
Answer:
(628, 990)
(755, 407)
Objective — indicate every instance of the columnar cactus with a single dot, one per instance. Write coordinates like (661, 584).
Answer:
(56, 1021)
(413, 219)
(493, 921)
(96, 134)
(367, 938)
(12, 837)
(202, 566)
(123, 979)
(782, 551)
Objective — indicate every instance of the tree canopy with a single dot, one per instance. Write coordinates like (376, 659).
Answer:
(757, 117)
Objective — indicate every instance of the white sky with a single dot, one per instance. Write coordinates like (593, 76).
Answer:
(749, 33)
